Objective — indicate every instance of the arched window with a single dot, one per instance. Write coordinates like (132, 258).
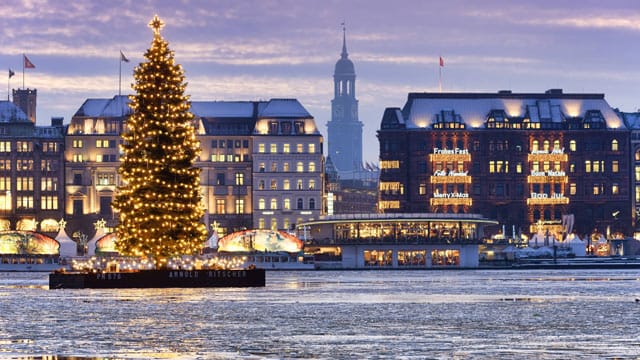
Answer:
(261, 204)
(299, 204)
(312, 166)
(547, 214)
(286, 185)
(274, 204)
(534, 145)
(572, 145)
(299, 166)
(312, 204)
(287, 204)
(546, 145)
(536, 215)
(614, 145)
(556, 144)
(312, 184)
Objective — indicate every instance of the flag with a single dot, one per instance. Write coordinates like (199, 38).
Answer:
(11, 73)
(441, 61)
(122, 57)
(27, 63)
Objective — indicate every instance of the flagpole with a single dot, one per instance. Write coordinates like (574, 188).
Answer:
(120, 74)
(23, 57)
(440, 74)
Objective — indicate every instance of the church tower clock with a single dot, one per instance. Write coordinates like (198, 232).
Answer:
(344, 129)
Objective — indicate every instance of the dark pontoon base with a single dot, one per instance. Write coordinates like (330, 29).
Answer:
(158, 279)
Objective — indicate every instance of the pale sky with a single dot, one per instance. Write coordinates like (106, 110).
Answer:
(257, 50)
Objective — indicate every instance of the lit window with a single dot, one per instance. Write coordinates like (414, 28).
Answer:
(239, 179)
(572, 188)
(274, 148)
(587, 166)
(286, 148)
(287, 204)
(274, 166)
(312, 148)
(261, 148)
(596, 189)
(519, 167)
(239, 206)
(274, 204)
(572, 145)
(534, 145)
(77, 144)
(299, 184)
(299, 148)
(261, 204)
(615, 167)
(545, 145)
(312, 184)
(614, 145)
(285, 167)
(274, 184)
(300, 166)
(220, 206)
(596, 166)
(312, 166)
(286, 184)
(614, 189)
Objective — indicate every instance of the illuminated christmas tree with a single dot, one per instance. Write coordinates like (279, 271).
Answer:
(159, 205)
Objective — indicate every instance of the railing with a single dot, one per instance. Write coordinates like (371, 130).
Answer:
(401, 240)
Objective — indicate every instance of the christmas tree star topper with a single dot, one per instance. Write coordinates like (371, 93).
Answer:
(156, 24)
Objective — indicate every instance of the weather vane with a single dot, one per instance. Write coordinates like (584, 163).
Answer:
(156, 24)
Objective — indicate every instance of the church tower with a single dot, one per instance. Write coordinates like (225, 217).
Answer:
(344, 129)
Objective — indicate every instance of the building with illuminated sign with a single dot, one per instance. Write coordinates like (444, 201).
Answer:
(261, 163)
(526, 160)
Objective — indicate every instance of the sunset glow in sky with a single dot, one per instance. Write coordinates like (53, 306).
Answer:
(257, 50)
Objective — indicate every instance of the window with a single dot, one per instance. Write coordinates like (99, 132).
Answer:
(614, 189)
(106, 179)
(615, 167)
(534, 145)
(299, 148)
(105, 206)
(273, 148)
(5, 164)
(572, 145)
(545, 145)
(261, 185)
(77, 179)
(596, 189)
(312, 148)
(239, 206)
(261, 204)
(286, 148)
(614, 145)
(48, 146)
(239, 179)
(274, 184)
(286, 184)
(220, 206)
(5, 183)
(24, 202)
(261, 167)
(312, 184)
(5, 146)
(102, 143)
(312, 204)
(45, 165)
(519, 167)
(596, 166)
(287, 204)
(24, 146)
(77, 158)
(572, 189)
(285, 167)
(299, 184)
(312, 166)
(220, 179)
(49, 202)
(572, 168)
(214, 144)
(274, 166)
(299, 204)
(300, 166)
(587, 166)
(261, 148)
(422, 189)
(24, 183)
(274, 204)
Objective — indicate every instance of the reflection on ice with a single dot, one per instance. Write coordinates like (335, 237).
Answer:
(355, 314)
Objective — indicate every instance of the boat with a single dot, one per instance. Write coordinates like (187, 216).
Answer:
(20, 263)
(268, 260)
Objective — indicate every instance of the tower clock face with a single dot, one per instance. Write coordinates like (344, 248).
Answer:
(338, 110)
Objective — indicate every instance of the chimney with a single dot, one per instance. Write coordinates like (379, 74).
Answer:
(25, 99)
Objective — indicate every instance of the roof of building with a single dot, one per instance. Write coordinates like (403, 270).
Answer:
(284, 108)
(225, 109)
(631, 120)
(9, 112)
(473, 109)
(117, 106)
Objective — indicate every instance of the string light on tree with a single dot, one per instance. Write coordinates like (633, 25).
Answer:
(160, 208)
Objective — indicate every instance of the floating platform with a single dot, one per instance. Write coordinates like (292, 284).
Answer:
(158, 279)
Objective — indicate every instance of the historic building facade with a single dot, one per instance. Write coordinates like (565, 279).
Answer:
(31, 171)
(261, 163)
(344, 129)
(535, 162)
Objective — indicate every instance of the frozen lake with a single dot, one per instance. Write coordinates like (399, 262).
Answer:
(558, 314)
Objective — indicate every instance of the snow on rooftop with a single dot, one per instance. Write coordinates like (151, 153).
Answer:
(9, 112)
(284, 108)
(228, 109)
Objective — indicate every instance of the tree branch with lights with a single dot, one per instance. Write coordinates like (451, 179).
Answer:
(160, 204)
